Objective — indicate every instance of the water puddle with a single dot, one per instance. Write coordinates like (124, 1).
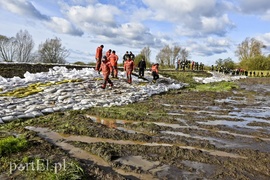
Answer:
(244, 135)
(112, 123)
(232, 100)
(175, 114)
(224, 122)
(204, 129)
(263, 112)
(217, 142)
(155, 167)
(138, 162)
(201, 168)
(130, 131)
(115, 124)
(174, 126)
(243, 124)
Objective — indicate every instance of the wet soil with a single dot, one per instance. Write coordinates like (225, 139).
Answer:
(182, 134)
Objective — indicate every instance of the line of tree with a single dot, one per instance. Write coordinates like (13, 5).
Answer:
(144, 54)
(168, 55)
(227, 63)
(251, 56)
(20, 49)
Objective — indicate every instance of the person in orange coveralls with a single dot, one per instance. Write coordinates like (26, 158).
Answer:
(128, 67)
(113, 58)
(108, 53)
(154, 70)
(98, 57)
(105, 68)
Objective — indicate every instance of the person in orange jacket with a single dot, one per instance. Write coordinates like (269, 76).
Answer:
(98, 57)
(128, 67)
(108, 53)
(105, 68)
(154, 70)
(113, 58)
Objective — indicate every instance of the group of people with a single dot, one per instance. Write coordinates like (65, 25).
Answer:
(187, 64)
(108, 65)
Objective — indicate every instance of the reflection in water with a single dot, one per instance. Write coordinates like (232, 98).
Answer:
(112, 123)
(109, 123)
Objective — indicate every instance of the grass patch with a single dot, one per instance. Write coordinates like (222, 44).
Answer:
(259, 73)
(216, 86)
(139, 111)
(186, 76)
(12, 144)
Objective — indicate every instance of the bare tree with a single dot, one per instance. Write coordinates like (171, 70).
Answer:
(52, 51)
(184, 54)
(176, 54)
(167, 55)
(7, 48)
(164, 56)
(249, 48)
(146, 52)
(24, 45)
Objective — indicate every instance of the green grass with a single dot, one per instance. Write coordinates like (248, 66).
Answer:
(12, 144)
(266, 73)
(216, 86)
(185, 76)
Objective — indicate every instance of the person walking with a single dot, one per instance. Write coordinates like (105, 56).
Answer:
(142, 67)
(128, 67)
(105, 68)
(154, 70)
(98, 57)
(113, 58)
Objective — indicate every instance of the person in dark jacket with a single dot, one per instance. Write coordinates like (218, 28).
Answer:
(132, 56)
(125, 57)
(142, 67)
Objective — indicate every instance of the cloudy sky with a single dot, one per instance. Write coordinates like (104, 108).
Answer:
(208, 29)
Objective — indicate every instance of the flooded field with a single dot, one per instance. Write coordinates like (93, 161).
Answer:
(182, 134)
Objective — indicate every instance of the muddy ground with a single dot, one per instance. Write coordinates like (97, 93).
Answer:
(182, 134)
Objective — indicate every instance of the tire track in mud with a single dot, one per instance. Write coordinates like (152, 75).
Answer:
(215, 137)
(62, 141)
(78, 153)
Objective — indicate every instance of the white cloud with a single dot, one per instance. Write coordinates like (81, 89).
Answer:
(192, 17)
(176, 10)
(98, 15)
(254, 6)
(216, 25)
(22, 7)
(208, 47)
(63, 26)
(265, 39)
